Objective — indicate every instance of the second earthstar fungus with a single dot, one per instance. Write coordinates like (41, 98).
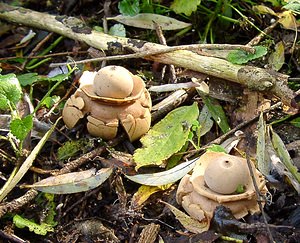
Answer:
(220, 179)
(108, 98)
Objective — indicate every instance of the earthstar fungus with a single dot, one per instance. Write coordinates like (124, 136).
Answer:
(213, 182)
(108, 98)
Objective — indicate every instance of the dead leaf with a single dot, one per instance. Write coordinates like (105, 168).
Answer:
(282, 156)
(73, 182)
(288, 20)
(276, 59)
(146, 21)
(187, 222)
(262, 9)
(232, 142)
(144, 192)
(165, 177)
(263, 164)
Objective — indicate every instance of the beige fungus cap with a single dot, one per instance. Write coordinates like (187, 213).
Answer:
(113, 82)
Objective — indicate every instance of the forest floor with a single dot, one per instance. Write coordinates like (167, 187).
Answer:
(119, 209)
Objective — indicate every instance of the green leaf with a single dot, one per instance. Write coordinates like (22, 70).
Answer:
(9, 185)
(293, 5)
(98, 28)
(31, 78)
(147, 7)
(146, 21)
(10, 91)
(166, 137)
(242, 57)
(217, 113)
(216, 148)
(50, 207)
(296, 122)
(28, 78)
(39, 229)
(175, 158)
(60, 77)
(50, 101)
(4, 102)
(240, 189)
(185, 6)
(117, 30)
(129, 7)
(21, 127)
(71, 148)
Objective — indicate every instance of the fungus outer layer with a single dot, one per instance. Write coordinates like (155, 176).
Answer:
(128, 106)
(199, 201)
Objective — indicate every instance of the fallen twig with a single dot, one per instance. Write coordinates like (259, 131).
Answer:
(167, 49)
(249, 76)
(18, 202)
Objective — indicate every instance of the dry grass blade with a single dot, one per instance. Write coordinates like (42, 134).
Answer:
(27, 164)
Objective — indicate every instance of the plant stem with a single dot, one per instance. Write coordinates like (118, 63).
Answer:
(11, 177)
(13, 145)
(39, 63)
(248, 21)
(48, 93)
(3, 137)
(31, 65)
(235, 21)
(15, 177)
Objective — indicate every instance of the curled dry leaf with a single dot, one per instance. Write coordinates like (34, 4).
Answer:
(288, 20)
(73, 182)
(146, 21)
(263, 163)
(291, 170)
(165, 177)
(262, 9)
(280, 168)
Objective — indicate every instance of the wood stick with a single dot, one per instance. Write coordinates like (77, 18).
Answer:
(249, 76)
(149, 233)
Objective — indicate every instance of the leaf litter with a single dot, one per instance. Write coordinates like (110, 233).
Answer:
(103, 200)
